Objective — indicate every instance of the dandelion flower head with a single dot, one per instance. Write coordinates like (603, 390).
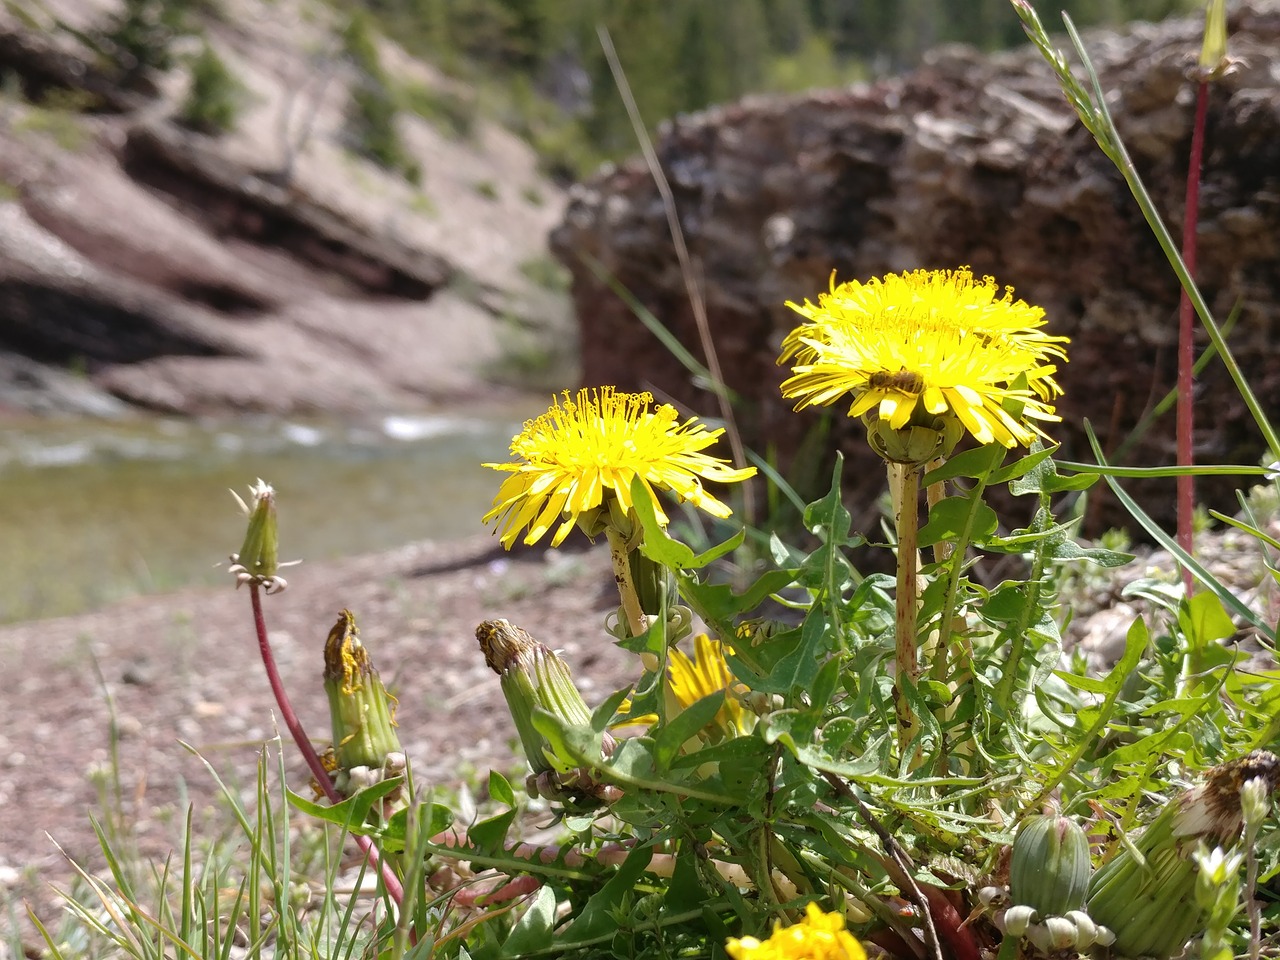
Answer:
(693, 678)
(927, 342)
(690, 679)
(591, 446)
(819, 936)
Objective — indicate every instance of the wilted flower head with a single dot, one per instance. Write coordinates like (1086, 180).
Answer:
(589, 448)
(930, 344)
(361, 710)
(819, 936)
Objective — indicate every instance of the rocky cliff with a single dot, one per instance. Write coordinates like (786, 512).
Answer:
(969, 160)
(267, 269)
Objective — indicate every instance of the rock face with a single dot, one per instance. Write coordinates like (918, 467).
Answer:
(190, 274)
(969, 160)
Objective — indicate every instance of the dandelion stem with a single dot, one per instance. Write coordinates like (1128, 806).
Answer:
(1186, 332)
(394, 888)
(620, 554)
(905, 481)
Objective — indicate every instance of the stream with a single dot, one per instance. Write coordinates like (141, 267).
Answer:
(94, 511)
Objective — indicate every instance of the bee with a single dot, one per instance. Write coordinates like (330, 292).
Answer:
(906, 381)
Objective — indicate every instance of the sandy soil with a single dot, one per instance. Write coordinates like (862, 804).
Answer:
(185, 668)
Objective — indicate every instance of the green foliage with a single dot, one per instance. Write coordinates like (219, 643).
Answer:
(139, 38)
(371, 120)
(684, 55)
(215, 97)
(450, 112)
(58, 118)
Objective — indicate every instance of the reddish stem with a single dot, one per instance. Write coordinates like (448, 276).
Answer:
(1186, 332)
(394, 889)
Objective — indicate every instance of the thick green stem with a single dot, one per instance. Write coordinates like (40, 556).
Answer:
(905, 481)
(637, 622)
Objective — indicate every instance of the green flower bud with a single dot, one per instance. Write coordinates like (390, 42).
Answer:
(1051, 866)
(921, 440)
(366, 747)
(534, 678)
(1214, 51)
(259, 556)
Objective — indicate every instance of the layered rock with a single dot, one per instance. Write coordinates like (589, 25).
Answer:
(270, 269)
(972, 160)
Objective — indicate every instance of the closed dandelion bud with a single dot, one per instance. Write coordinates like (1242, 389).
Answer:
(1146, 893)
(258, 561)
(365, 743)
(533, 678)
(1050, 869)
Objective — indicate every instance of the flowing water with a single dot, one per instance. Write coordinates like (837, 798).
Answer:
(93, 511)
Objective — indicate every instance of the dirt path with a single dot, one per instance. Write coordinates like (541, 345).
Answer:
(185, 667)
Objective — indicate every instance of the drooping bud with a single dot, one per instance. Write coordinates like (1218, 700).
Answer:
(1050, 869)
(365, 745)
(534, 678)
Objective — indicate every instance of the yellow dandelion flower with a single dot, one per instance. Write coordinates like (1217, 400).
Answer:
(819, 936)
(591, 447)
(691, 679)
(929, 342)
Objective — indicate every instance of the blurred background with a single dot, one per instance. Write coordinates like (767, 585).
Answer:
(307, 240)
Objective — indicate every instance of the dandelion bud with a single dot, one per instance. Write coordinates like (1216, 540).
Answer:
(535, 678)
(1214, 50)
(366, 747)
(1050, 869)
(1018, 919)
(1054, 935)
(914, 443)
(259, 556)
(1255, 802)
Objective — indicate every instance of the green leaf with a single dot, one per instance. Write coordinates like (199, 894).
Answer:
(1020, 467)
(500, 790)
(352, 812)
(949, 520)
(491, 835)
(1057, 483)
(598, 914)
(603, 715)
(432, 818)
(657, 546)
(718, 551)
(975, 463)
(668, 740)
(532, 931)
(828, 518)
(799, 668)
(684, 887)
(1205, 620)
(717, 603)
